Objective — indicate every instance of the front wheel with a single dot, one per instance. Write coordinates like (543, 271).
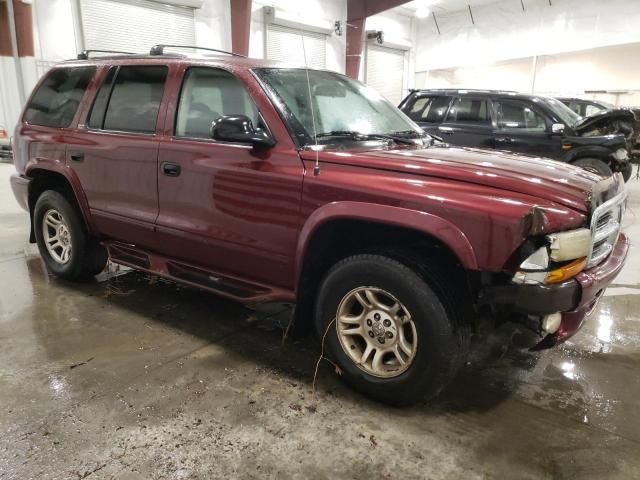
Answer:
(626, 171)
(594, 165)
(64, 245)
(389, 332)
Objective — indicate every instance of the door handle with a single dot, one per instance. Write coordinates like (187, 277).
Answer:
(170, 169)
(445, 130)
(77, 156)
(505, 140)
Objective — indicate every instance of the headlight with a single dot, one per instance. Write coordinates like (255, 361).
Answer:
(621, 155)
(569, 245)
(549, 264)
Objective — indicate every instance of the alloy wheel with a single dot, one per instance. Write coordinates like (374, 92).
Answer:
(376, 331)
(57, 236)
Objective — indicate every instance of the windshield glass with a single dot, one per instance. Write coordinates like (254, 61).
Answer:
(565, 114)
(341, 106)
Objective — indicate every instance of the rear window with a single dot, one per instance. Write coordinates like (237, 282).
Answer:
(129, 99)
(55, 102)
(428, 109)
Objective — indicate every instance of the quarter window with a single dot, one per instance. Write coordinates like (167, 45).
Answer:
(469, 110)
(96, 118)
(208, 94)
(516, 115)
(135, 99)
(55, 102)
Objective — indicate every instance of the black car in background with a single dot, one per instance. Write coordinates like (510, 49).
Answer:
(584, 107)
(622, 120)
(536, 125)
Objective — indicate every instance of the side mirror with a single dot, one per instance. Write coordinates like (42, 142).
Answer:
(557, 128)
(239, 128)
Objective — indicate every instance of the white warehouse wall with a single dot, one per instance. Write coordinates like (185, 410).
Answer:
(504, 31)
(580, 45)
(399, 30)
(307, 12)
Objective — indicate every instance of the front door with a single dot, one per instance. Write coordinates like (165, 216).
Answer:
(226, 206)
(115, 154)
(522, 128)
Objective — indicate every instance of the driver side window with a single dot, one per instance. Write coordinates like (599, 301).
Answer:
(518, 116)
(208, 94)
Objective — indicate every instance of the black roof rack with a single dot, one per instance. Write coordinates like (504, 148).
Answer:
(475, 90)
(159, 49)
(84, 55)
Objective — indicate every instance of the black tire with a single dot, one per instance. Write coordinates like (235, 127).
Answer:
(441, 345)
(627, 171)
(594, 165)
(87, 257)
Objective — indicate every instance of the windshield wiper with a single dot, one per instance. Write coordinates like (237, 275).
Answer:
(358, 136)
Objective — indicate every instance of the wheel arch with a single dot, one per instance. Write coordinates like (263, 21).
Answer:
(591, 151)
(384, 216)
(46, 178)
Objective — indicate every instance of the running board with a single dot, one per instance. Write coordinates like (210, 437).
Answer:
(224, 285)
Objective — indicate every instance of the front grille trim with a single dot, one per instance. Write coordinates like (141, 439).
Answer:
(606, 222)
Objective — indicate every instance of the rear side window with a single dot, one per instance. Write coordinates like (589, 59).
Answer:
(132, 98)
(469, 110)
(208, 94)
(429, 109)
(55, 102)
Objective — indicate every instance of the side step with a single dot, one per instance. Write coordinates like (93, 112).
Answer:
(224, 285)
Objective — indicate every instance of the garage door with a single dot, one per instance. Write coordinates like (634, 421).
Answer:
(385, 71)
(285, 44)
(135, 25)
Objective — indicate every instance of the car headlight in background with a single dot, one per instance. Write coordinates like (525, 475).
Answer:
(562, 257)
(621, 155)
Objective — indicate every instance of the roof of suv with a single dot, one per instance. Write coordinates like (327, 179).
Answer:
(465, 91)
(238, 61)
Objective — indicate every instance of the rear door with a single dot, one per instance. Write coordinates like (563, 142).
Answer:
(428, 111)
(468, 123)
(522, 127)
(115, 154)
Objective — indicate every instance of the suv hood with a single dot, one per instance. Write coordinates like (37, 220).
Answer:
(603, 118)
(537, 177)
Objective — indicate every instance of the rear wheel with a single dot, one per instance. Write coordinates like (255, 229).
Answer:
(64, 245)
(594, 165)
(388, 330)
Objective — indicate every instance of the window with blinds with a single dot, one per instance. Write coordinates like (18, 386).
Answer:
(291, 45)
(135, 25)
(385, 71)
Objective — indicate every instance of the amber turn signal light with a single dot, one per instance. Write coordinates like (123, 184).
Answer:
(566, 272)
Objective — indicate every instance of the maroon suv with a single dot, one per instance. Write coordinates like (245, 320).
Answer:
(268, 183)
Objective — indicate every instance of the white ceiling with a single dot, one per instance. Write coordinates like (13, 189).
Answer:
(442, 6)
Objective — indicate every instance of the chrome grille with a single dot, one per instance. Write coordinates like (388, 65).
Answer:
(605, 228)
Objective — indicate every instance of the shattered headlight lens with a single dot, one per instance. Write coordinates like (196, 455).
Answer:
(621, 154)
(562, 257)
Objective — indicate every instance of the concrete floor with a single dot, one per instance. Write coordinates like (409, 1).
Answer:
(134, 377)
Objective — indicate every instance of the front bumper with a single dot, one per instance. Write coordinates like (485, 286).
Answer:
(575, 298)
(20, 187)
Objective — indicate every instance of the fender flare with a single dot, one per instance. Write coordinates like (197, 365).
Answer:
(589, 151)
(422, 222)
(72, 179)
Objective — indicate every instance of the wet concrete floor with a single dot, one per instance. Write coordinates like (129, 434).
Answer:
(131, 377)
